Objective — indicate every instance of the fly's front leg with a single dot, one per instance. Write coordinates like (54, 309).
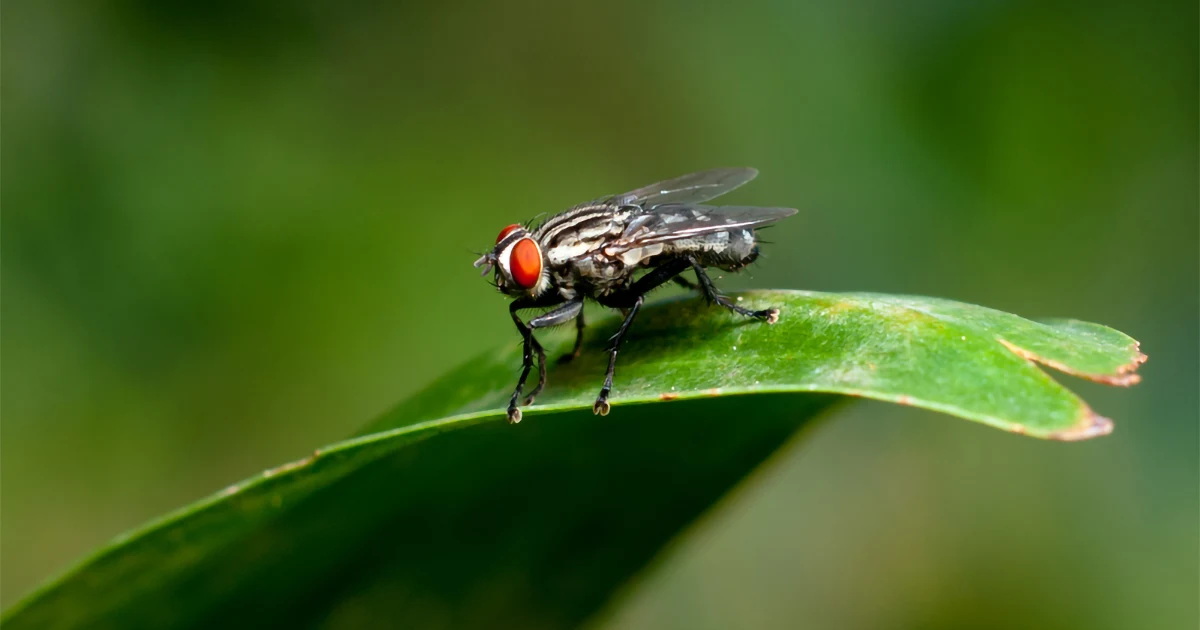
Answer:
(541, 363)
(560, 315)
(514, 414)
(567, 358)
(529, 346)
(769, 315)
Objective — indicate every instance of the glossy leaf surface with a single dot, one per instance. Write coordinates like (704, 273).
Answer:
(440, 514)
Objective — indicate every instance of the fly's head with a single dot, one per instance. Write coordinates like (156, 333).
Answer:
(518, 262)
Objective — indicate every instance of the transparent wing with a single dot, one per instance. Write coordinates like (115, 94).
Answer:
(693, 188)
(671, 222)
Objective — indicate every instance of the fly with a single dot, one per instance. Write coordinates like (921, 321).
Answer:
(614, 251)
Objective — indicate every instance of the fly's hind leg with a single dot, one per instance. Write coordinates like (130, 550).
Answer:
(768, 315)
(685, 283)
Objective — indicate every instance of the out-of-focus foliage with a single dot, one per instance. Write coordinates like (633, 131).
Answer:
(428, 518)
(232, 231)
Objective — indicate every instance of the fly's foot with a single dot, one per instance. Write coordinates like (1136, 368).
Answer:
(601, 407)
(514, 414)
(769, 315)
(529, 398)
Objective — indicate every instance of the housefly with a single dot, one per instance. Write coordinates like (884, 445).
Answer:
(616, 249)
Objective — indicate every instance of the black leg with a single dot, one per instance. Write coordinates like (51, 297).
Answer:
(530, 346)
(567, 358)
(685, 283)
(630, 301)
(769, 315)
(601, 405)
(560, 315)
(657, 277)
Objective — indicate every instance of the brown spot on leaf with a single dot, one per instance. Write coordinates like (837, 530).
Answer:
(668, 396)
(1123, 378)
(905, 400)
(1019, 429)
(716, 391)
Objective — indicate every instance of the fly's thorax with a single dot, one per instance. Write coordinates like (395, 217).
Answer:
(566, 287)
(596, 277)
(578, 232)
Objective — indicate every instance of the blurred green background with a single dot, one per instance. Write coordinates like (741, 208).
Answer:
(233, 231)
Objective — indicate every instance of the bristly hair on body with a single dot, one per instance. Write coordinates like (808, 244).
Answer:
(615, 250)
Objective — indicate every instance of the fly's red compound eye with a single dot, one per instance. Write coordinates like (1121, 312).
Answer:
(525, 263)
(506, 231)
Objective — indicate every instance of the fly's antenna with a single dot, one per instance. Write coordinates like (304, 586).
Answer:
(486, 261)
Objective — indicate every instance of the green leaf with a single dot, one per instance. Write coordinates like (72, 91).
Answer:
(441, 514)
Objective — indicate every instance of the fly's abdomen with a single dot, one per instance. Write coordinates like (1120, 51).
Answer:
(725, 250)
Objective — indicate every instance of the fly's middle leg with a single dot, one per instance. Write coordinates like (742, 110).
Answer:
(629, 302)
(768, 315)
(601, 406)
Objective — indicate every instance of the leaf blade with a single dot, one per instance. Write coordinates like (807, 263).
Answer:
(926, 352)
(960, 359)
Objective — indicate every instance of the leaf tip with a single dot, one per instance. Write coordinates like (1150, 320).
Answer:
(1090, 426)
(1139, 358)
(1124, 375)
